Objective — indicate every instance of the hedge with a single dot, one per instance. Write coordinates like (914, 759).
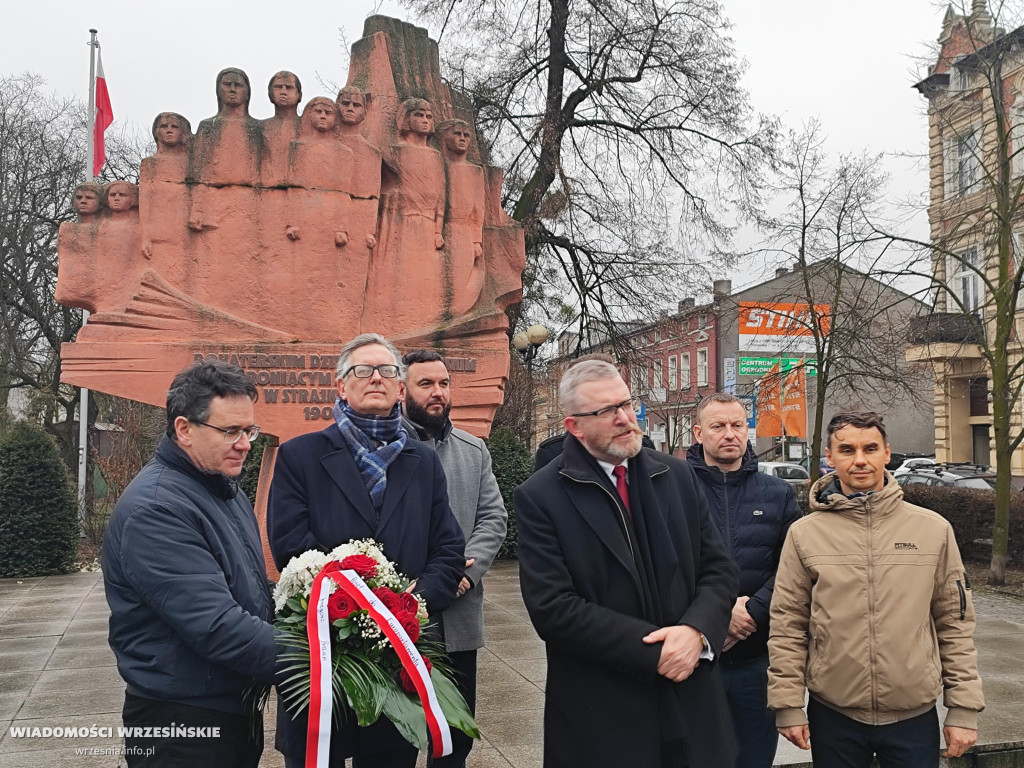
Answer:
(970, 512)
(38, 510)
(512, 464)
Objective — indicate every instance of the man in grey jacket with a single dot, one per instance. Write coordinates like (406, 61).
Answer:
(476, 502)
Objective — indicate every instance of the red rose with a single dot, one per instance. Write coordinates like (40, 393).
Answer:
(364, 565)
(386, 596)
(411, 625)
(407, 603)
(404, 676)
(340, 606)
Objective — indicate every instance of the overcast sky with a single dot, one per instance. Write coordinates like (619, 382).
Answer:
(850, 64)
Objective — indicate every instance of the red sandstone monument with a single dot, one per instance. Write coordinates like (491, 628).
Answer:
(270, 243)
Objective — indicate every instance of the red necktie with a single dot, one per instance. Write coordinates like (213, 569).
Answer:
(620, 485)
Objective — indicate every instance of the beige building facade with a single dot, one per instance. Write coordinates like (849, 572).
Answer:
(975, 95)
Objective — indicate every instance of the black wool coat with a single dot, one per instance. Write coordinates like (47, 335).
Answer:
(318, 500)
(583, 590)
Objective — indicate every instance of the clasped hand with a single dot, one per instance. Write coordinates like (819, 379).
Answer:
(680, 651)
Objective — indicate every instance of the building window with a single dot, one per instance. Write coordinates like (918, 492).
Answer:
(673, 372)
(702, 367)
(685, 433)
(962, 162)
(684, 370)
(1017, 136)
(657, 334)
(656, 374)
(963, 281)
(979, 397)
(702, 320)
(639, 377)
(960, 77)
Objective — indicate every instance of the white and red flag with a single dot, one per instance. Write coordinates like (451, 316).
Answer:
(104, 117)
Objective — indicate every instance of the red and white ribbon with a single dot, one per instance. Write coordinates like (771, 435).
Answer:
(318, 735)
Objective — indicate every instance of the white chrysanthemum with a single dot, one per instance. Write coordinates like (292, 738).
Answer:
(386, 576)
(297, 577)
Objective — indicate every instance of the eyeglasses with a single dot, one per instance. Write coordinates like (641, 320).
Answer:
(610, 412)
(366, 371)
(234, 434)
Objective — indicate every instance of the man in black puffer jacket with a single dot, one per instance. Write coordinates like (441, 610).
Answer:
(753, 512)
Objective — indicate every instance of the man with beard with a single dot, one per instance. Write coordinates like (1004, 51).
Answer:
(476, 503)
(551, 448)
(627, 582)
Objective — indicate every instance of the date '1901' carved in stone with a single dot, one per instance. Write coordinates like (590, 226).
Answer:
(269, 243)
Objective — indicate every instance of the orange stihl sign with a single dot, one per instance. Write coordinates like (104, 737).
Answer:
(779, 327)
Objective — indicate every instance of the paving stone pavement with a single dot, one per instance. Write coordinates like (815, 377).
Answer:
(56, 669)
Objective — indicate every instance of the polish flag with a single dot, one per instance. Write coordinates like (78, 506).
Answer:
(104, 117)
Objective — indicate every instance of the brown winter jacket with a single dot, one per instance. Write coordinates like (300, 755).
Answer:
(872, 613)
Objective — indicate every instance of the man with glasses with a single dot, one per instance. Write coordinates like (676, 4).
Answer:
(184, 577)
(551, 448)
(626, 580)
(363, 478)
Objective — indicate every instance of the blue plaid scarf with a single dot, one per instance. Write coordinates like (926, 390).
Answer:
(362, 434)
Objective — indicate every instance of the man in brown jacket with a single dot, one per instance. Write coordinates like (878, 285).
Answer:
(872, 615)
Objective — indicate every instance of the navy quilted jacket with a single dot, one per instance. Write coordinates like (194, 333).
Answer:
(753, 512)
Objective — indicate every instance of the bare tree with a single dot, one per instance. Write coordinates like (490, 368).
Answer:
(626, 137)
(832, 234)
(136, 430)
(42, 159)
(975, 92)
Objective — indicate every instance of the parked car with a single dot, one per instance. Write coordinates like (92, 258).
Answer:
(793, 474)
(909, 465)
(823, 467)
(899, 459)
(959, 475)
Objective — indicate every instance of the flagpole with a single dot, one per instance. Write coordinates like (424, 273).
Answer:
(83, 407)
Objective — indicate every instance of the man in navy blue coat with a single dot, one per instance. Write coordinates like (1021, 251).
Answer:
(753, 512)
(360, 478)
(188, 593)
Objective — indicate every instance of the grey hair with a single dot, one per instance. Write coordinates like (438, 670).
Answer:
(578, 373)
(363, 340)
(717, 397)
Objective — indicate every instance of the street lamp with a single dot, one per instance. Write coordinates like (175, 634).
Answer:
(527, 343)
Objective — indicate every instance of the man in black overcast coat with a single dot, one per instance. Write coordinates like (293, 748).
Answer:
(628, 584)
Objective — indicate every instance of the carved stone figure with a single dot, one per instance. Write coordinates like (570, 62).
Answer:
(393, 230)
(100, 261)
(224, 207)
(362, 181)
(163, 196)
(411, 225)
(227, 145)
(171, 132)
(464, 219)
(317, 223)
(87, 200)
(285, 92)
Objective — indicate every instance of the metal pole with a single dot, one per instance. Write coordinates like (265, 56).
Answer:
(83, 406)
